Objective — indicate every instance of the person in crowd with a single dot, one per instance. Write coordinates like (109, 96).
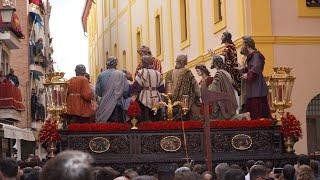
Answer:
(80, 97)
(315, 168)
(156, 63)
(113, 88)
(206, 175)
(130, 173)
(305, 173)
(8, 169)
(234, 174)
(256, 88)
(224, 109)
(147, 86)
(105, 173)
(199, 169)
(34, 104)
(249, 164)
(186, 175)
(145, 177)
(69, 165)
(303, 160)
(220, 170)
(13, 78)
(258, 172)
(288, 172)
(184, 83)
(128, 75)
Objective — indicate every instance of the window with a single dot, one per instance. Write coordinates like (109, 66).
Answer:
(4, 63)
(106, 9)
(217, 11)
(124, 59)
(138, 38)
(158, 35)
(183, 20)
(184, 24)
(107, 55)
(219, 15)
(114, 4)
(115, 50)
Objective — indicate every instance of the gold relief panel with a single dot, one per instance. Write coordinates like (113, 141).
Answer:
(99, 145)
(170, 143)
(241, 142)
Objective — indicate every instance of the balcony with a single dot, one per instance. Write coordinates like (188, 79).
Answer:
(9, 39)
(11, 104)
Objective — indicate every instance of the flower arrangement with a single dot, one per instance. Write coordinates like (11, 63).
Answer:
(49, 132)
(134, 109)
(291, 127)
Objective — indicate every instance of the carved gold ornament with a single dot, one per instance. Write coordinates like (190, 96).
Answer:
(241, 142)
(170, 143)
(99, 145)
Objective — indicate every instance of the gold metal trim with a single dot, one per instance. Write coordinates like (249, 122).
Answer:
(242, 144)
(170, 143)
(99, 148)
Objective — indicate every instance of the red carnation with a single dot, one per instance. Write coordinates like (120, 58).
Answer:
(49, 132)
(134, 109)
(291, 127)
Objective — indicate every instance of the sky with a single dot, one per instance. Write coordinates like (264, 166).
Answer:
(70, 45)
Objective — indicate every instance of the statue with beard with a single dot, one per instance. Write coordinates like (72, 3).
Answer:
(256, 101)
(184, 83)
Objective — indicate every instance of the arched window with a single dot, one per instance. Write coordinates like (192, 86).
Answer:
(107, 55)
(124, 59)
(138, 39)
(313, 125)
(115, 50)
(158, 34)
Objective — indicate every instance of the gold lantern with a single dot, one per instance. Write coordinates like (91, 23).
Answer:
(281, 83)
(56, 95)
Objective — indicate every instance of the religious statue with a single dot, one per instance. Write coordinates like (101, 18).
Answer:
(256, 101)
(113, 88)
(231, 62)
(222, 83)
(156, 63)
(148, 85)
(79, 97)
(184, 83)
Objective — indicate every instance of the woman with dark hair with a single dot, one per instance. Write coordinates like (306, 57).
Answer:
(204, 73)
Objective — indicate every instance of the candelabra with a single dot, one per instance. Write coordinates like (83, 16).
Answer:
(170, 105)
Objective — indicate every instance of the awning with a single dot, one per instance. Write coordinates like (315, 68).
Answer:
(13, 132)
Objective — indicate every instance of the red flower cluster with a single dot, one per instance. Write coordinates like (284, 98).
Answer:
(49, 132)
(98, 127)
(134, 109)
(174, 125)
(291, 126)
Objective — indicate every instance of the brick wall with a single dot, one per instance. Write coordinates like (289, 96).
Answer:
(20, 63)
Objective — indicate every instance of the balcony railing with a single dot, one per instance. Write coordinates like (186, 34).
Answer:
(10, 96)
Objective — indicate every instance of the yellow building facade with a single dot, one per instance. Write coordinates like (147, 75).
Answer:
(286, 32)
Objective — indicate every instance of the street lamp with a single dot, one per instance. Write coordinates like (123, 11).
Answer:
(56, 94)
(281, 83)
(6, 11)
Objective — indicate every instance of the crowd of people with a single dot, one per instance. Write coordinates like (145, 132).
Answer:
(115, 89)
(76, 165)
